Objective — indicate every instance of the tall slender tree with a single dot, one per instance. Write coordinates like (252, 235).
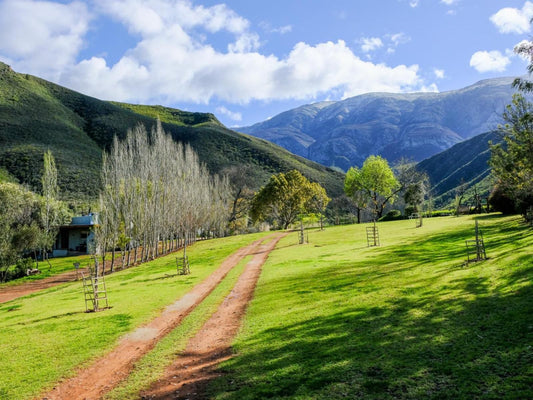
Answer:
(155, 193)
(49, 215)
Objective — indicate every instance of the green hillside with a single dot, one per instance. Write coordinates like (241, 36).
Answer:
(36, 115)
(463, 163)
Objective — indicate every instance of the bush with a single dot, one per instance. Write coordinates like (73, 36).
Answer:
(20, 268)
(392, 215)
(441, 213)
(409, 211)
(500, 201)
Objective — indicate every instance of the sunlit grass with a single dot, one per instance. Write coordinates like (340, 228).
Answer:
(45, 336)
(409, 320)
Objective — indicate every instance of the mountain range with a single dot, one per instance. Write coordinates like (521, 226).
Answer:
(453, 127)
(415, 126)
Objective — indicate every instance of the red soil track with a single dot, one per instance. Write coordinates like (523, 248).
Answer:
(13, 292)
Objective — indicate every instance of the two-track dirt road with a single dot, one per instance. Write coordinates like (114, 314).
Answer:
(210, 346)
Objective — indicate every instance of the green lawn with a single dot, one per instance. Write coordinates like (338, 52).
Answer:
(408, 320)
(44, 336)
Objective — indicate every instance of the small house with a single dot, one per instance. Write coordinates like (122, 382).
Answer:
(77, 237)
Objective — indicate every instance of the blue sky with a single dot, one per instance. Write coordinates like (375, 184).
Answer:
(248, 60)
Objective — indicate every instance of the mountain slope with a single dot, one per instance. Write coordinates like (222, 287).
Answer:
(463, 163)
(36, 115)
(412, 125)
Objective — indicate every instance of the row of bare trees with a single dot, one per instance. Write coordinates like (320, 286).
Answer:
(156, 197)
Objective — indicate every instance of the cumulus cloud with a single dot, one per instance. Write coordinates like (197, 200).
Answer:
(153, 16)
(173, 60)
(414, 3)
(41, 37)
(371, 44)
(489, 61)
(513, 20)
(449, 2)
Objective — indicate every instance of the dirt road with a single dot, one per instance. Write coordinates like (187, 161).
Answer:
(106, 372)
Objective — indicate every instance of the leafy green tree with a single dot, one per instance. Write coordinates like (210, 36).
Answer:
(353, 188)
(19, 210)
(374, 184)
(318, 202)
(285, 197)
(414, 195)
(512, 160)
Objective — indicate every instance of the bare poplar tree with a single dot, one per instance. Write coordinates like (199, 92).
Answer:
(157, 195)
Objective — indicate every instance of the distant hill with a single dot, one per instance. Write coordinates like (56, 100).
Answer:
(412, 125)
(463, 163)
(36, 115)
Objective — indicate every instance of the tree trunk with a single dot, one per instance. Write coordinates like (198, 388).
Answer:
(113, 259)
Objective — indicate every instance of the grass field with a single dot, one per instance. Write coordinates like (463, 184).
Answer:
(330, 319)
(45, 336)
(408, 320)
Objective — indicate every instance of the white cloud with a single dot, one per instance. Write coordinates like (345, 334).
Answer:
(398, 38)
(414, 3)
(439, 73)
(152, 16)
(245, 43)
(173, 61)
(513, 20)
(41, 37)
(282, 30)
(394, 40)
(234, 116)
(371, 44)
(449, 2)
(433, 88)
(489, 61)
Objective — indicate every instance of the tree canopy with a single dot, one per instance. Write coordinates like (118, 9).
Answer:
(373, 184)
(286, 196)
(525, 49)
(512, 160)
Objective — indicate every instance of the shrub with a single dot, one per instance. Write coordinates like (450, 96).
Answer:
(19, 269)
(500, 201)
(392, 215)
(409, 211)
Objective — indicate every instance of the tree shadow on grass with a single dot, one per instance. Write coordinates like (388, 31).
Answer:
(477, 345)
